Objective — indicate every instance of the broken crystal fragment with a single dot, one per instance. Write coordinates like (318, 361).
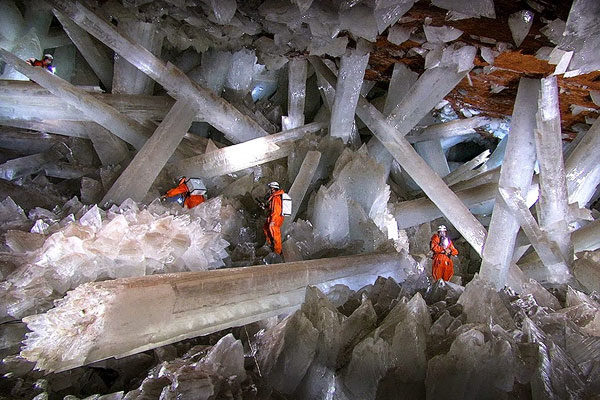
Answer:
(441, 34)
(399, 34)
(223, 10)
(520, 24)
(472, 8)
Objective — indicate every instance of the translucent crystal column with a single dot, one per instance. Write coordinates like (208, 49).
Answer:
(434, 155)
(296, 94)
(27, 100)
(105, 115)
(110, 149)
(433, 186)
(465, 171)
(141, 172)
(553, 210)
(546, 248)
(581, 166)
(244, 155)
(415, 212)
(516, 171)
(431, 87)
(400, 83)
(24, 166)
(347, 91)
(457, 127)
(216, 111)
(95, 57)
(127, 78)
(127, 316)
(301, 184)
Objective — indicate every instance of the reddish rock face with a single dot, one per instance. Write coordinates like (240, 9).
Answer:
(507, 69)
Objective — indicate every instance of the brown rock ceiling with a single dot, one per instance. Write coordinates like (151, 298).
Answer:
(509, 66)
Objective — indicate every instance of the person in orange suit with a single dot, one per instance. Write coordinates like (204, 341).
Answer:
(189, 200)
(272, 226)
(443, 249)
(45, 62)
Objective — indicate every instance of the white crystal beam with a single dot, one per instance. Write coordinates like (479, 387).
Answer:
(216, 111)
(124, 127)
(516, 171)
(127, 316)
(400, 83)
(23, 166)
(141, 172)
(296, 94)
(553, 210)
(433, 154)
(465, 171)
(127, 78)
(26, 142)
(431, 87)
(547, 249)
(28, 100)
(581, 164)
(415, 212)
(96, 58)
(433, 186)
(301, 184)
(347, 92)
(457, 127)
(244, 155)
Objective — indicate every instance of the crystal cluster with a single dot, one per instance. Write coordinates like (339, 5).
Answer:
(89, 244)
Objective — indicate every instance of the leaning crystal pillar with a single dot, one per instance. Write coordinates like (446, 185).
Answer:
(119, 124)
(546, 248)
(433, 154)
(244, 155)
(516, 171)
(347, 91)
(296, 94)
(223, 116)
(120, 317)
(301, 184)
(96, 59)
(127, 78)
(433, 186)
(431, 87)
(141, 172)
(553, 210)
(582, 166)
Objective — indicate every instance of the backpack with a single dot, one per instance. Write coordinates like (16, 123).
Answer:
(195, 186)
(286, 205)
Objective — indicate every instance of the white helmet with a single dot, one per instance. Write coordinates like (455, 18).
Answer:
(274, 185)
(49, 57)
(442, 228)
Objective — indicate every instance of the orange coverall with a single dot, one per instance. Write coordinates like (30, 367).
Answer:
(191, 200)
(443, 267)
(272, 227)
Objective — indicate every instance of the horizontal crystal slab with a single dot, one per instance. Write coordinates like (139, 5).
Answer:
(127, 316)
